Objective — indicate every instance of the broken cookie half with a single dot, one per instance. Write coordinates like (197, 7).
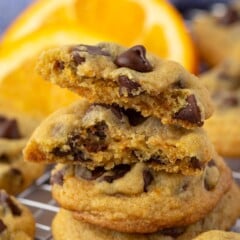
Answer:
(100, 135)
(132, 78)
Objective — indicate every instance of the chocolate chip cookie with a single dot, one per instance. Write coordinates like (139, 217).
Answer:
(100, 135)
(16, 221)
(222, 217)
(16, 174)
(217, 33)
(135, 198)
(132, 78)
(218, 235)
(223, 127)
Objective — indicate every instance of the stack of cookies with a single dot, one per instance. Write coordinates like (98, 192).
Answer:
(133, 160)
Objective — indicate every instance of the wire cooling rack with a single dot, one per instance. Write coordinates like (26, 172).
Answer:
(39, 200)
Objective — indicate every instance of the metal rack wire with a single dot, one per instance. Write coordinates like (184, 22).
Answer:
(38, 199)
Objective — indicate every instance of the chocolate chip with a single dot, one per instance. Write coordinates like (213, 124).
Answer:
(116, 110)
(2, 226)
(16, 173)
(9, 128)
(195, 163)
(230, 101)
(147, 178)
(127, 85)
(57, 151)
(6, 200)
(77, 59)
(117, 172)
(93, 50)
(135, 118)
(58, 65)
(185, 186)
(180, 84)
(211, 163)
(191, 112)
(134, 58)
(89, 174)
(173, 232)
(57, 177)
(4, 158)
(231, 16)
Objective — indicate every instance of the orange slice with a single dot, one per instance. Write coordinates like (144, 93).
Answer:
(21, 86)
(153, 23)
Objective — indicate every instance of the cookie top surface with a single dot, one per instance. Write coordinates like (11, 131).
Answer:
(218, 235)
(15, 219)
(214, 220)
(186, 198)
(108, 73)
(98, 135)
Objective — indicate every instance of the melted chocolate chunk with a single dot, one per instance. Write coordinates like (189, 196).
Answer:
(195, 163)
(57, 177)
(134, 58)
(117, 111)
(7, 201)
(89, 174)
(58, 66)
(75, 141)
(95, 140)
(147, 178)
(135, 118)
(117, 172)
(191, 112)
(126, 84)
(9, 128)
(93, 50)
(2, 226)
(231, 16)
(77, 59)
(173, 232)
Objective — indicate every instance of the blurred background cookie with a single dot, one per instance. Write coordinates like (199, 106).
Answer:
(15, 129)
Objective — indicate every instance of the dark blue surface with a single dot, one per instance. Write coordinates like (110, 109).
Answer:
(9, 9)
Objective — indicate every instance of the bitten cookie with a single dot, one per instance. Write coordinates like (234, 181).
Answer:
(15, 174)
(98, 135)
(134, 198)
(217, 33)
(223, 127)
(16, 221)
(222, 217)
(108, 73)
(218, 235)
